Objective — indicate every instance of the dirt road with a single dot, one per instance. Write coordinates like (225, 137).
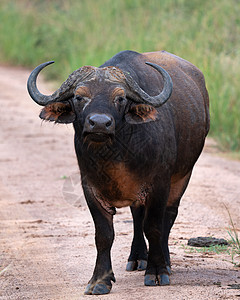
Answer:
(47, 243)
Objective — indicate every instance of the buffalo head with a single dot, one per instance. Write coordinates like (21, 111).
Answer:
(99, 99)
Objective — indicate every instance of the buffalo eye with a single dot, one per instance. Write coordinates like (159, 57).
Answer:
(78, 97)
(120, 100)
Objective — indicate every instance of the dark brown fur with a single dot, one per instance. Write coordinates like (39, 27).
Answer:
(129, 151)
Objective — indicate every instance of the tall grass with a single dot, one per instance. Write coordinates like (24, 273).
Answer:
(88, 32)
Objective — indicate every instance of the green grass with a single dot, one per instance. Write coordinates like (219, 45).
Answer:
(4, 269)
(235, 253)
(232, 249)
(88, 32)
(234, 241)
(212, 249)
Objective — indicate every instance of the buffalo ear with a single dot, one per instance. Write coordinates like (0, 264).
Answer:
(141, 113)
(58, 112)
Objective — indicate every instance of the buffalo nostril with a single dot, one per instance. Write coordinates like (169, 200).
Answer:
(91, 122)
(109, 123)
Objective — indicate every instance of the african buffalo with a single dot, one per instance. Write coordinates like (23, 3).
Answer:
(140, 124)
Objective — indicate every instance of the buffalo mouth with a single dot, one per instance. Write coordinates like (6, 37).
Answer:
(97, 137)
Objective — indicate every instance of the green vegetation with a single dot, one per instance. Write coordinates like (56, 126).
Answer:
(233, 249)
(88, 32)
(4, 270)
(234, 241)
(207, 250)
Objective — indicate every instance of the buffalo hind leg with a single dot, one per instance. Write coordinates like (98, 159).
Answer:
(177, 190)
(101, 281)
(156, 271)
(138, 256)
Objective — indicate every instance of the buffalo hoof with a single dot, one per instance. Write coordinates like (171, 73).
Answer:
(139, 265)
(97, 289)
(169, 270)
(101, 285)
(142, 265)
(131, 266)
(153, 280)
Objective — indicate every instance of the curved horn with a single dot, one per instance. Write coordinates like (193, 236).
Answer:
(157, 100)
(64, 92)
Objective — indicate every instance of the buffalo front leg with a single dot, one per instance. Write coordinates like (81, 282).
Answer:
(169, 218)
(138, 256)
(156, 271)
(101, 281)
